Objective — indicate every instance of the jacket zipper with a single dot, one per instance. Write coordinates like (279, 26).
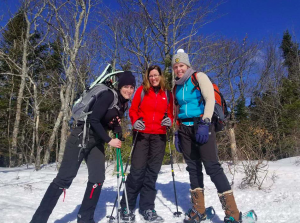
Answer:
(185, 88)
(154, 110)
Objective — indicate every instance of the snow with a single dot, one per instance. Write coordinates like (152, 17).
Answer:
(22, 188)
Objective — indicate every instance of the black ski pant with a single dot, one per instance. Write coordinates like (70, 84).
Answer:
(146, 162)
(73, 156)
(196, 154)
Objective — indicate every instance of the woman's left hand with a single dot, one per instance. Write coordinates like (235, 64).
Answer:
(166, 122)
(116, 119)
(202, 133)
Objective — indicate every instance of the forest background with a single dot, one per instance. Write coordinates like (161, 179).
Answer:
(50, 50)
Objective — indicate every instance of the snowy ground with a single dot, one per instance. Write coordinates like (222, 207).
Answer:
(21, 191)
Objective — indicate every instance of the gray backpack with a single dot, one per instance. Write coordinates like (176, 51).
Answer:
(82, 106)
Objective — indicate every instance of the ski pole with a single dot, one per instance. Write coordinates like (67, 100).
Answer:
(177, 213)
(123, 181)
(120, 166)
(127, 163)
(118, 175)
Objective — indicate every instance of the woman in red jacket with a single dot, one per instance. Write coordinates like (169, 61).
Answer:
(151, 112)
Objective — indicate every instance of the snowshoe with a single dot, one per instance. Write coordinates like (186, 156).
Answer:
(127, 216)
(151, 216)
(249, 217)
(192, 216)
(229, 219)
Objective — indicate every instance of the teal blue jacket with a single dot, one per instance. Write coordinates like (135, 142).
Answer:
(188, 101)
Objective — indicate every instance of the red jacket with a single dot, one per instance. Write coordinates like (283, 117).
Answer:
(152, 109)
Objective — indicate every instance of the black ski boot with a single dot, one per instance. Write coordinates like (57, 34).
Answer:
(47, 204)
(151, 216)
(127, 216)
(89, 203)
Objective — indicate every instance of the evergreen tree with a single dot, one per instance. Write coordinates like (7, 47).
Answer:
(290, 93)
(241, 112)
(11, 47)
(291, 55)
(45, 68)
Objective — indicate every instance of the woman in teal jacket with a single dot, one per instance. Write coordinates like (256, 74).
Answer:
(197, 139)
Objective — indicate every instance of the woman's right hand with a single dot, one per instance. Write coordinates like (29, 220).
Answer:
(139, 125)
(115, 143)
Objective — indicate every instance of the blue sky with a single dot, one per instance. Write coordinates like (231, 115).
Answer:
(259, 19)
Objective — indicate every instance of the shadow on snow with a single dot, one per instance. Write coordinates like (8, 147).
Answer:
(109, 194)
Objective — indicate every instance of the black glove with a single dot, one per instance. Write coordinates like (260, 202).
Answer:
(118, 130)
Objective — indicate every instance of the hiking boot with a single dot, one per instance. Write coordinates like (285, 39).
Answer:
(232, 214)
(197, 212)
(151, 216)
(127, 216)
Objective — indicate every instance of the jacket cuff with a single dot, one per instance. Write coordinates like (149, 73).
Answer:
(107, 139)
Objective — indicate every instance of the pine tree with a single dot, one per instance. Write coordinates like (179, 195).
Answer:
(241, 113)
(11, 47)
(290, 93)
(41, 62)
(291, 55)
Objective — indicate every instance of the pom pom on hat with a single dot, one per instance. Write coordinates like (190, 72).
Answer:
(181, 57)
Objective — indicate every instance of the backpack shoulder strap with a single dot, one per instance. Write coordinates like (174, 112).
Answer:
(195, 82)
(142, 96)
(114, 104)
(174, 94)
(168, 96)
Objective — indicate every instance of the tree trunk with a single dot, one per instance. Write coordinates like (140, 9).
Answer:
(71, 45)
(57, 148)
(20, 97)
(233, 146)
(66, 117)
(8, 118)
(22, 147)
(55, 129)
(33, 143)
(37, 122)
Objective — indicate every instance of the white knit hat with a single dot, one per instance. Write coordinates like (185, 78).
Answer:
(181, 57)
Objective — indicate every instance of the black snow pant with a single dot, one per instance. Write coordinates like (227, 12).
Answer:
(146, 162)
(73, 156)
(196, 154)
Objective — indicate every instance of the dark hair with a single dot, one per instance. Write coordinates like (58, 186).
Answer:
(146, 82)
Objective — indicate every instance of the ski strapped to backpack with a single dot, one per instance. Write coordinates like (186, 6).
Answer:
(81, 108)
(220, 111)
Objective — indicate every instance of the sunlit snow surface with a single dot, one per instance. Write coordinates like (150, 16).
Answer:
(22, 189)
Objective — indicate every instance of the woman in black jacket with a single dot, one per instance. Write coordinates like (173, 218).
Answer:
(101, 119)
